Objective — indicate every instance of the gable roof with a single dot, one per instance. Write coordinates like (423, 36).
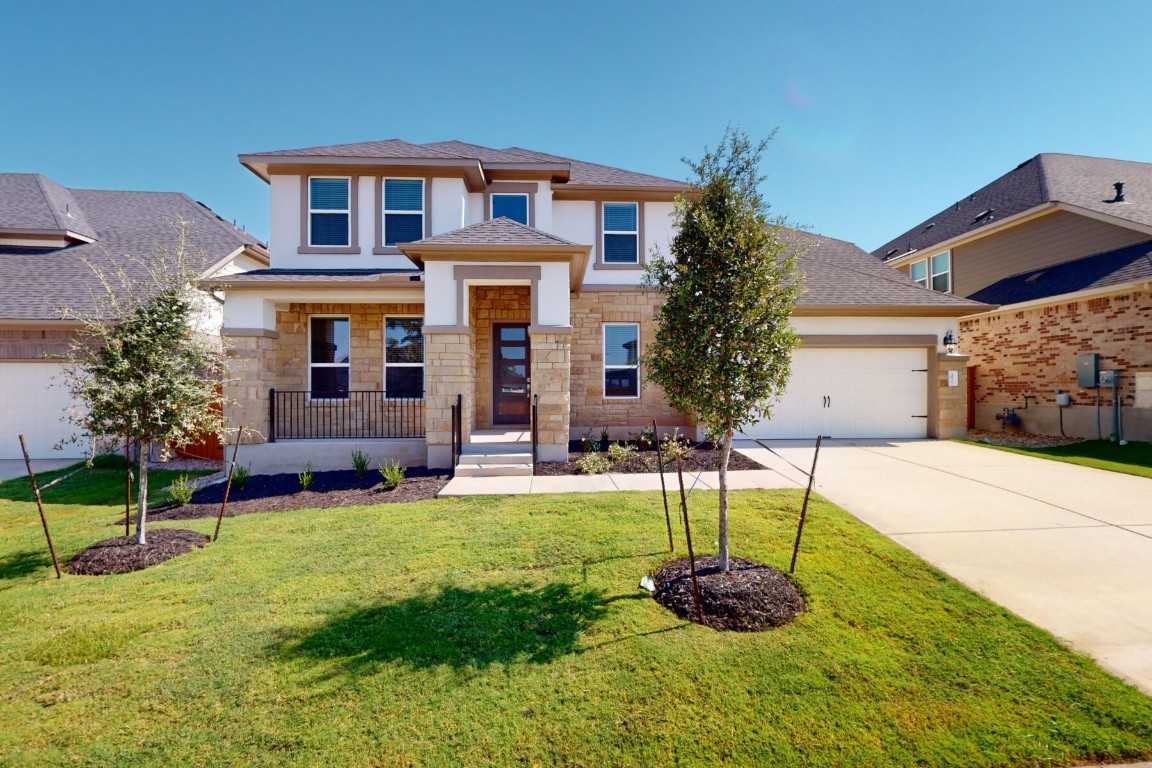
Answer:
(500, 231)
(841, 274)
(36, 283)
(572, 173)
(1122, 265)
(31, 202)
(1074, 181)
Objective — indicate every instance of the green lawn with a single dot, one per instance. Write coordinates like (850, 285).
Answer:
(1135, 458)
(510, 631)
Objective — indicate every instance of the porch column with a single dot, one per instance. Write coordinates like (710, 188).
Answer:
(951, 399)
(552, 383)
(250, 340)
(450, 371)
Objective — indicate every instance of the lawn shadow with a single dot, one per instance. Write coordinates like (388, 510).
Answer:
(457, 628)
(19, 564)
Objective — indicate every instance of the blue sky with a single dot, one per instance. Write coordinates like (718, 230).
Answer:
(887, 111)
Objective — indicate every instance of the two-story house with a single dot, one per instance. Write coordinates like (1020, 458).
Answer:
(409, 278)
(1063, 244)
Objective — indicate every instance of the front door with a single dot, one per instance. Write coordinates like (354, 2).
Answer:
(511, 367)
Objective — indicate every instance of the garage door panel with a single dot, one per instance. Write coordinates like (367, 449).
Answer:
(33, 403)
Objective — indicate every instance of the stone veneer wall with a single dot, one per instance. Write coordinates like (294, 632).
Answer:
(552, 383)
(1033, 352)
(590, 409)
(251, 360)
(451, 372)
(489, 304)
(951, 403)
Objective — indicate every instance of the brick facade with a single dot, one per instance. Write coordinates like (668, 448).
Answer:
(1033, 352)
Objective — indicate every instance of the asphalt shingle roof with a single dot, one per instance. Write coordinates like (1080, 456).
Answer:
(1122, 265)
(580, 172)
(36, 284)
(256, 276)
(32, 201)
(837, 272)
(501, 231)
(1085, 182)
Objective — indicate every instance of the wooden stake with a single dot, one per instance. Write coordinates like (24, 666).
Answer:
(127, 486)
(228, 485)
(804, 509)
(688, 537)
(40, 506)
(663, 488)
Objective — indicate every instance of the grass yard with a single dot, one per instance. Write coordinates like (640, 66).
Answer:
(510, 631)
(1132, 459)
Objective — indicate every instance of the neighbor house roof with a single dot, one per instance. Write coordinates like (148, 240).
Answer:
(1075, 182)
(1123, 265)
(839, 275)
(571, 173)
(38, 283)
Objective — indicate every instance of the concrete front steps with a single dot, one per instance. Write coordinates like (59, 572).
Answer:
(496, 453)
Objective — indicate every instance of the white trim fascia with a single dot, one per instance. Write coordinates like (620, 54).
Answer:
(1067, 298)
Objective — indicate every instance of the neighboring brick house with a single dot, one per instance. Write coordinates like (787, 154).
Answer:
(1063, 244)
(407, 277)
(47, 234)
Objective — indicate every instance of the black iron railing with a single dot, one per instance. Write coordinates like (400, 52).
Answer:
(363, 414)
(457, 431)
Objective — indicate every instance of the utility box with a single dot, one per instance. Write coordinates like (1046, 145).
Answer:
(1063, 399)
(1107, 378)
(1087, 370)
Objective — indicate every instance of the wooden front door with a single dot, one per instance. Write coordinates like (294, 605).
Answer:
(511, 371)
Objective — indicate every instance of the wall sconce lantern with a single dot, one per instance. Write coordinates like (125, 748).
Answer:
(950, 345)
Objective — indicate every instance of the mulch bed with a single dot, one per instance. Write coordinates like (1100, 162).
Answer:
(122, 554)
(281, 493)
(704, 458)
(749, 598)
(1015, 439)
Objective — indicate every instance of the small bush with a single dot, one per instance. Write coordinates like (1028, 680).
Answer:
(645, 438)
(587, 444)
(305, 477)
(392, 474)
(360, 463)
(181, 490)
(675, 446)
(618, 452)
(593, 464)
(241, 475)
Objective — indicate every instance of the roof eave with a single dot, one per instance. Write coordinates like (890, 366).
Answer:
(45, 233)
(620, 192)
(264, 165)
(228, 283)
(883, 310)
(576, 256)
(1127, 286)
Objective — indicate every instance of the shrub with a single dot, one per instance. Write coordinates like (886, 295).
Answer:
(675, 446)
(241, 476)
(587, 444)
(360, 462)
(392, 474)
(646, 438)
(305, 477)
(593, 464)
(181, 490)
(619, 452)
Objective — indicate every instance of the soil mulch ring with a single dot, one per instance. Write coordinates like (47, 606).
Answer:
(1011, 439)
(281, 493)
(123, 555)
(749, 598)
(704, 458)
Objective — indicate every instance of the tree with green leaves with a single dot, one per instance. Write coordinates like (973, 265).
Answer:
(723, 343)
(143, 363)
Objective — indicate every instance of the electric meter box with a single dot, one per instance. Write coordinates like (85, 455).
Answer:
(1087, 370)
(1107, 378)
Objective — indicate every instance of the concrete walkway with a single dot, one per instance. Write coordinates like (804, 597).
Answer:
(1068, 548)
(508, 486)
(10, 468)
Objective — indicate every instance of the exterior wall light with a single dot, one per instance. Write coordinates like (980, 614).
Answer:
(950, 345)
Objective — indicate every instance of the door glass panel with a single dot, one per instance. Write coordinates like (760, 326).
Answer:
(513, 371)
(513, 334)
(513, 353)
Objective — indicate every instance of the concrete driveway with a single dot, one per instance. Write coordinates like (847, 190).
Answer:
(10, 468)
(1068, 548)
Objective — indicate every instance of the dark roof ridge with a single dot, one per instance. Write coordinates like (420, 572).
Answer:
(1042, 177)
(244, 237)
(48, 202)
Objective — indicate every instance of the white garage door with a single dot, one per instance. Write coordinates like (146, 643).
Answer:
(851, 393)
(32, 404)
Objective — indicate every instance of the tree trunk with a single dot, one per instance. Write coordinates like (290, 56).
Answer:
(142, 450)
(725, 450)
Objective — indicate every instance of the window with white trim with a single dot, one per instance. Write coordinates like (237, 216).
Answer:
(934, 273)
(329, 357)
(620, 239)
(403, 211)
(329, 211)
(511, 205)
(621, 360)
(403, 357)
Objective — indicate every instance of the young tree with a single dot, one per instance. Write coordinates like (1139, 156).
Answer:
(142, 363)
(723, 345)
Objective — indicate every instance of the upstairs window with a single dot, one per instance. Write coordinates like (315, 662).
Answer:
(510, 205)
(403, 211)
(621, 236)
(329, 357)
(329, 212)
(621, 360)
(403, 357)
(934, 273)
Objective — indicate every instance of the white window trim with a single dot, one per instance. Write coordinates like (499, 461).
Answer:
(527, 204)
(347, 365)
(346, 211)
(423, 364)
(384, 210)
(605, 367)
(932, 275)
(604, 231)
